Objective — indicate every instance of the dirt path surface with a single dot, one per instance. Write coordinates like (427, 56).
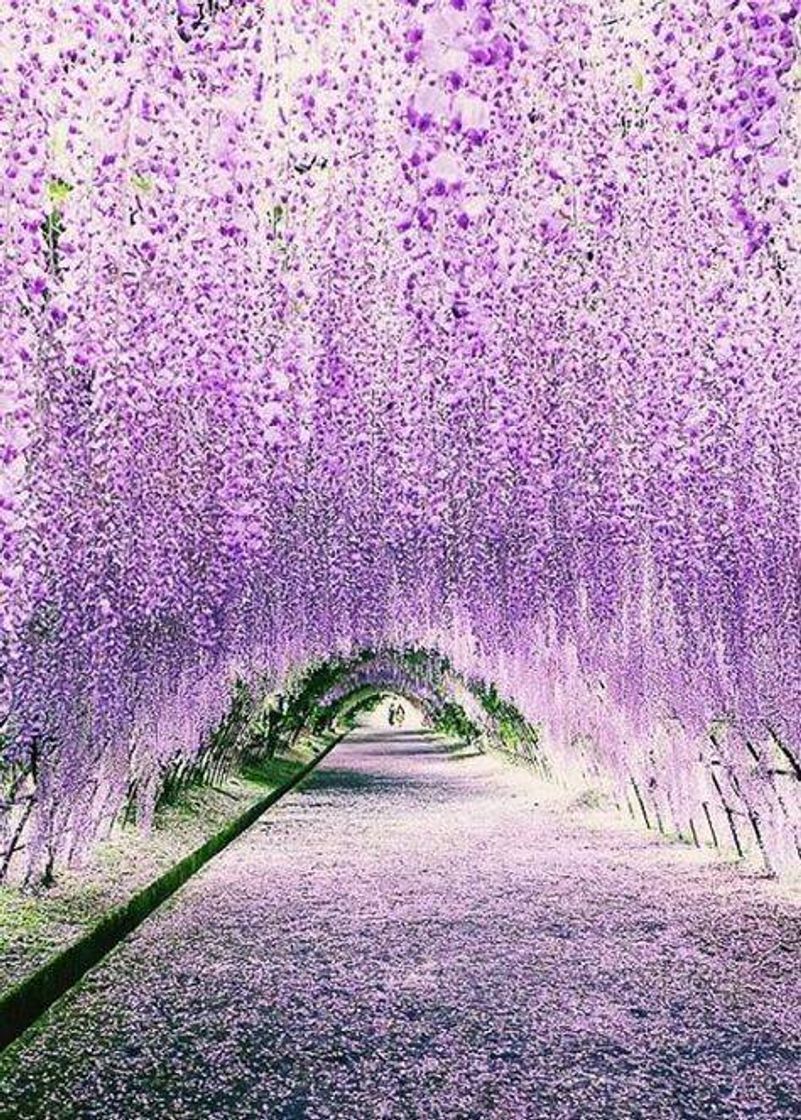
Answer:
(421, 935)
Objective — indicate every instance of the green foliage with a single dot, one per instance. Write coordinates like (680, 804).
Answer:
(302, 702)
(19, 913)
(52, 229)
(367, 703)
(58, 191)
(254, 733)
(370, 703)
(508, 722)
(416, 657)
(453, 721)
(271, 772)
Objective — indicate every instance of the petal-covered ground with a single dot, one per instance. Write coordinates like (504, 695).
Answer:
(424, 935)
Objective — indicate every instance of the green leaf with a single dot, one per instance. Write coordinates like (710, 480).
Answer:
(58, 191)
(142, 183)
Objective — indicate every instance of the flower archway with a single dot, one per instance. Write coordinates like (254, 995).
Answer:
(466, 324)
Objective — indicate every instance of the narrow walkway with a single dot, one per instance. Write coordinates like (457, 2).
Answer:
(413, 937)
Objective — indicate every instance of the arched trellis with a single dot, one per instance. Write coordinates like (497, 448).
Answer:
(455, 703)
(420, 682)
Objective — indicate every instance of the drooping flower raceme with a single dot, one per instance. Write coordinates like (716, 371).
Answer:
(464, 323)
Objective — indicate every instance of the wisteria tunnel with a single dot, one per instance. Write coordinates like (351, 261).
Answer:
(400, 488)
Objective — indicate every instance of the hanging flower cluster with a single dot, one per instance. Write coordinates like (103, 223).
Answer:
(461, 322)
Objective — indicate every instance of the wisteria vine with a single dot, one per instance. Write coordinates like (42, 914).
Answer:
(469, 323)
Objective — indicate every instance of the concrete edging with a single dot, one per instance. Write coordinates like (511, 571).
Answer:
(22, 1005)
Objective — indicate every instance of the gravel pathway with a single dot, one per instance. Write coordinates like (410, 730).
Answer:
(422, 935)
